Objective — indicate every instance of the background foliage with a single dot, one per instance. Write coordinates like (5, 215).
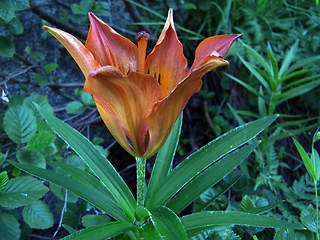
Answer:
(273, 69)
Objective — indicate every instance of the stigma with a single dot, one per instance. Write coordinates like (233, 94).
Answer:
(142, 39)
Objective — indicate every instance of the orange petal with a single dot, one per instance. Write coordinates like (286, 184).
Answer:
(167, 111)
(166, 61)
(124, 104)
(216, 45)
(110, 48)
(78, 51)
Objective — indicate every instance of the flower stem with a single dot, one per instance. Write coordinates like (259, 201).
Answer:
(141, 172)
(317, 209)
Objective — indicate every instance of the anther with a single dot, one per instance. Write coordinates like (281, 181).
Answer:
(142, 38)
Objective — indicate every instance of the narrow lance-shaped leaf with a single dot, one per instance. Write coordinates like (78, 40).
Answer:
(209, 177)
(97, 198)
(163, 163)
(101, 167)
(203, 158)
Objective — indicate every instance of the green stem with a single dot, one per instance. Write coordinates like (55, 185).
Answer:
(141, 173)
(317, 209)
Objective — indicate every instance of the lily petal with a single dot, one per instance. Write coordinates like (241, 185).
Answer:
(77, 50)
(110, 48)
(216, 45)
(124, 104)
(167, 111)
(166, 61)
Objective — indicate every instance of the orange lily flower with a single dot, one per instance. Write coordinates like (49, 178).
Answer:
(139, 98)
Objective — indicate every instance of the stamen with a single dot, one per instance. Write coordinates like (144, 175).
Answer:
(142, 38)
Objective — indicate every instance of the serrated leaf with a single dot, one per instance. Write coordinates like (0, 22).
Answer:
(21, 191)
(4, 180)
(34, 158)
(16, 100)
(20, 124)
(38, 215)
(246, 204)
(9, 227)
(75, 107)
(41, 100)
(40, 140)
(50, 67)
(7, 48)
(91, 220)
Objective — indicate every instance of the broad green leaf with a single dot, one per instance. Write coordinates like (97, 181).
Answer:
(204, 157)
(83, 190)
(50, 67)
(306, 160)
(38, 215)
(315, 159)
(41, 79)
(264, 209)
(21, 191)
(75, 107)
(16, 100)
(20, 5)
(163, 162)
(289, 57)
(41, 100)
(91, 220)
(102, 231)
(223, 218)
(7, 13)
(16, 26)
(246, 204)
(9, 227)
(100, 165)
(34, 158)
(40, 140)
(20, 124)
(209, 177)
(63, 194)
(4, 180)
(167, 224)
(87, 99)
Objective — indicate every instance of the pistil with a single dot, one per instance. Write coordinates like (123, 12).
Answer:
(142, 38)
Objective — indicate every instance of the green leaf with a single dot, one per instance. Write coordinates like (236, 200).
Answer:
(20, 5)
(83, 190)
(288, 58)
(33, 158)
(308, 218)
(315, 159)
(75, 107)
(41, 100)
(91, 220)
(275, 69)
(20, 124)
(4, 180)
(77, 9)
(38, 215)
(100, 165)
(167, 224)
(163, 162)
(209, 177)
(246, 204)
(102, 231)
(40, 79)
(87, 99)
(306, 160)
(21, 191)
(6, 11)
(40, 140)
(9, 227)
(204, 157)
(7, 48)
(203, 220)
(16, 26)
(50, 67)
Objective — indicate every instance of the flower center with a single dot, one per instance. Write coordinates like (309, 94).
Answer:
(142, 38)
